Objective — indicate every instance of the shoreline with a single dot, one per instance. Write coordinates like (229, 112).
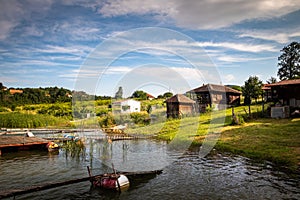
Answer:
(273, 140)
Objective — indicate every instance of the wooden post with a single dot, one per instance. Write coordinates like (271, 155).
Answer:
(117, 178)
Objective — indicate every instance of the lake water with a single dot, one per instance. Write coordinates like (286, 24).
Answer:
(185, 175)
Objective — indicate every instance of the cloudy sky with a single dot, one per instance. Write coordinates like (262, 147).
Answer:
(152, 45)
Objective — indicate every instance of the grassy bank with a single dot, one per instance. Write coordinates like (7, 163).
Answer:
(275, 140)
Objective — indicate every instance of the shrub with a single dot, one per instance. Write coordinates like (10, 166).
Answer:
(141, 118)
(107, 120)
(237, 120)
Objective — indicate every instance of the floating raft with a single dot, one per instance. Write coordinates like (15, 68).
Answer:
(15, 143)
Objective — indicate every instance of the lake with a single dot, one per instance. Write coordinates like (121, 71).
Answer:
(186, 175)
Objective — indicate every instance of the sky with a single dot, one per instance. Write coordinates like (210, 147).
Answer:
(151, 45)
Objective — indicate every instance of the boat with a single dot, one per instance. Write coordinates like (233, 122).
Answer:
(119, 180)
(52, 147)
(111, 181)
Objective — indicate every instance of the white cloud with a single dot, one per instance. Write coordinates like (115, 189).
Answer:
(78, 50)
(204, 14)
(255, 48)
(278, 36)
(10, 13)
(233, 59)
(229, 78)
(78, 28)
(13, 12)
(121, 7)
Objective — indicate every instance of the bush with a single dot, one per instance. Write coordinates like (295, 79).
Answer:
(107, 120)
(141, 118)
(4, 109)
(237, 120)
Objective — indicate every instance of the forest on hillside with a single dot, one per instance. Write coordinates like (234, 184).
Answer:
(13, 97)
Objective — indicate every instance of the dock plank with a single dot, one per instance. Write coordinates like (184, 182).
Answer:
(14, 141)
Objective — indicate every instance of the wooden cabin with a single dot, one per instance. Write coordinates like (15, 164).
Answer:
(179, 105)
(286, 93)
(218, 95)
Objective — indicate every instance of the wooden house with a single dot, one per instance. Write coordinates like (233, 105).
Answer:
(218, 95)
(286, 93)
(179, 105)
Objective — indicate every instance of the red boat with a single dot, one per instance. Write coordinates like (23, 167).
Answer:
(118, 180)
(111, 181)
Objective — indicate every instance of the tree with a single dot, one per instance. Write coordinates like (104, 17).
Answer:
(251, 89)
(119, 93)
(139, 94)
(289, 62)
(168, 95)
(272, 80)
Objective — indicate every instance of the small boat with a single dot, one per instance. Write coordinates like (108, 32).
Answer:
(52, 147)
(111, 181)
(119, 180)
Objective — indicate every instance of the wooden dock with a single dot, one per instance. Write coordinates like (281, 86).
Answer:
(115, 137)
(15, 143)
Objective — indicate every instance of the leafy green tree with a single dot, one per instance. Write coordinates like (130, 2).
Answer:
(236, 87)
(289, 62)
(272, 80)
(167, 95)
(251, 89)
(119, 93)
(139, 94)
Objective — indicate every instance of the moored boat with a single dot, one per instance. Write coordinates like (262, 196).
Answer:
(111, 181)
(119, 180)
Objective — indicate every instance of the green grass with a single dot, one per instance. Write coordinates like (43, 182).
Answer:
(274, 140)
(22, 120)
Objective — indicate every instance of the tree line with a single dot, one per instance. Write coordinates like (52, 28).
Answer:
(13, 97)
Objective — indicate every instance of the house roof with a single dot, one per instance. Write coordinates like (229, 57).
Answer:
(266, 87)
(180, 98)
(216, 88)
(150, 96)
(285, 82)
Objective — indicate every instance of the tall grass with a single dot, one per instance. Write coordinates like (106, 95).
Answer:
(22, 120)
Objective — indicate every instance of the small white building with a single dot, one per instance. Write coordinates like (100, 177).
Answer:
(126, 106)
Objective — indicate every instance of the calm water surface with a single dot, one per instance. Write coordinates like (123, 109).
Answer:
(185, 176)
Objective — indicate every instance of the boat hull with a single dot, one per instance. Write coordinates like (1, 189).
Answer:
(113, 182)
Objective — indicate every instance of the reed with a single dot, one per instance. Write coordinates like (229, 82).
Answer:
(24, 120)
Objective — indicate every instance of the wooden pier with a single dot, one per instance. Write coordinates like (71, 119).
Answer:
(15, 143)
(115, 137)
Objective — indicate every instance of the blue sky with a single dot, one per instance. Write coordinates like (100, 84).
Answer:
(153, 45)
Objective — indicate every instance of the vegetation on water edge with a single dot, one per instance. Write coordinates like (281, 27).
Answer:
(23, 120)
